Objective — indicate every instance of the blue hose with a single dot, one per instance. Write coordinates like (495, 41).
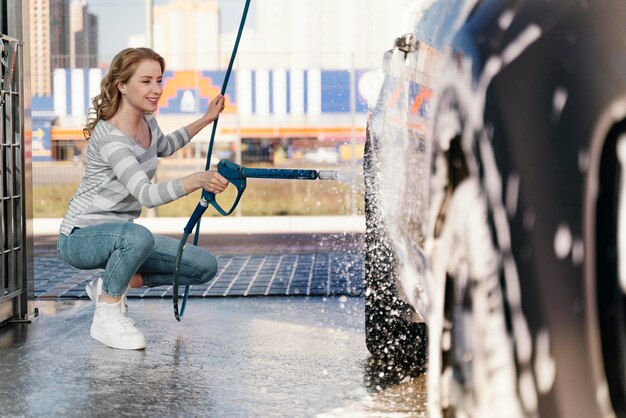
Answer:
(194, 220)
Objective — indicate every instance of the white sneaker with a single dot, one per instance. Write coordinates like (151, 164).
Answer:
(111, 327)
(94, 289)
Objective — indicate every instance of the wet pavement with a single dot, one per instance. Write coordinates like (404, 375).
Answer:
(292, 356)
(231, 357)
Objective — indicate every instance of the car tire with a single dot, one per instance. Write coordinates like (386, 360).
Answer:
(469, 317)
(474, 381)
(610, 275)
(397, 344)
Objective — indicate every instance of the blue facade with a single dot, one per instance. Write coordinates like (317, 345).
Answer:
(264, 91)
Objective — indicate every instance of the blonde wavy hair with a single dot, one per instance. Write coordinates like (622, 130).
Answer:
(122, 68)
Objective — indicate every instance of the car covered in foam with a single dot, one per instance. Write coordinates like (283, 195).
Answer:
(494, 175)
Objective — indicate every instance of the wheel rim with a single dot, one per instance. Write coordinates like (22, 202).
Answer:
(474, 305)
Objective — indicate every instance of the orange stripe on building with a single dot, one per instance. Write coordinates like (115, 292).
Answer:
(293, 132)
(193, 80)
(60, 134)
(64, 134)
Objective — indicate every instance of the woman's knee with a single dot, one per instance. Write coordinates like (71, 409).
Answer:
(138, 239)
(208, 269)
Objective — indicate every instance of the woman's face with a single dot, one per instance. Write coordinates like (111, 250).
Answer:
(143, 89)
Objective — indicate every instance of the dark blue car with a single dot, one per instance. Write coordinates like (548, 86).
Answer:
(495, 185)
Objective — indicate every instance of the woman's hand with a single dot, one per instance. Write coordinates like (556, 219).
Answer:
(213, 182)
(210, 180)
(215, 108)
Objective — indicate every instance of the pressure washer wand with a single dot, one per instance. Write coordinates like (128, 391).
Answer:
(202, 205)
(237, 175)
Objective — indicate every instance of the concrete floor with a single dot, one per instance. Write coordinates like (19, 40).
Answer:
(231, 357)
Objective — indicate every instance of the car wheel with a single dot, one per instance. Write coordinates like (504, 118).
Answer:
(472, 362)
(397, 343)
(610, 283)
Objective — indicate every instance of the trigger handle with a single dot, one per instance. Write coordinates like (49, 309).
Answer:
(210, 197)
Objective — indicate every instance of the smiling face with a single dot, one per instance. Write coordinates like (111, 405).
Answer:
(143, 90)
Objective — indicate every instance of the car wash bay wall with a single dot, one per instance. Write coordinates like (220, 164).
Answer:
(16, 260)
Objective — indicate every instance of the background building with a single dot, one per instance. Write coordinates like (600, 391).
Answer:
(59, 16)
(63, 35)
(39, 15)
(83, 36)
(187, 34)
(303, 73)
(328, 34)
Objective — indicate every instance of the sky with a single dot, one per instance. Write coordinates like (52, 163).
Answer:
(118, 19)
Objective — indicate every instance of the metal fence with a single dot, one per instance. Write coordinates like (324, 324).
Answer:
(16, 278)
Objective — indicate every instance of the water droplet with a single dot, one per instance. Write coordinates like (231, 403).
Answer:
(562, 241)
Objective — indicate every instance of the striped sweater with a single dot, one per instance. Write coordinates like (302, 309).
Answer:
(118, 174)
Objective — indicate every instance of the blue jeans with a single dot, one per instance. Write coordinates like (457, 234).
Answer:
(124, 248)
